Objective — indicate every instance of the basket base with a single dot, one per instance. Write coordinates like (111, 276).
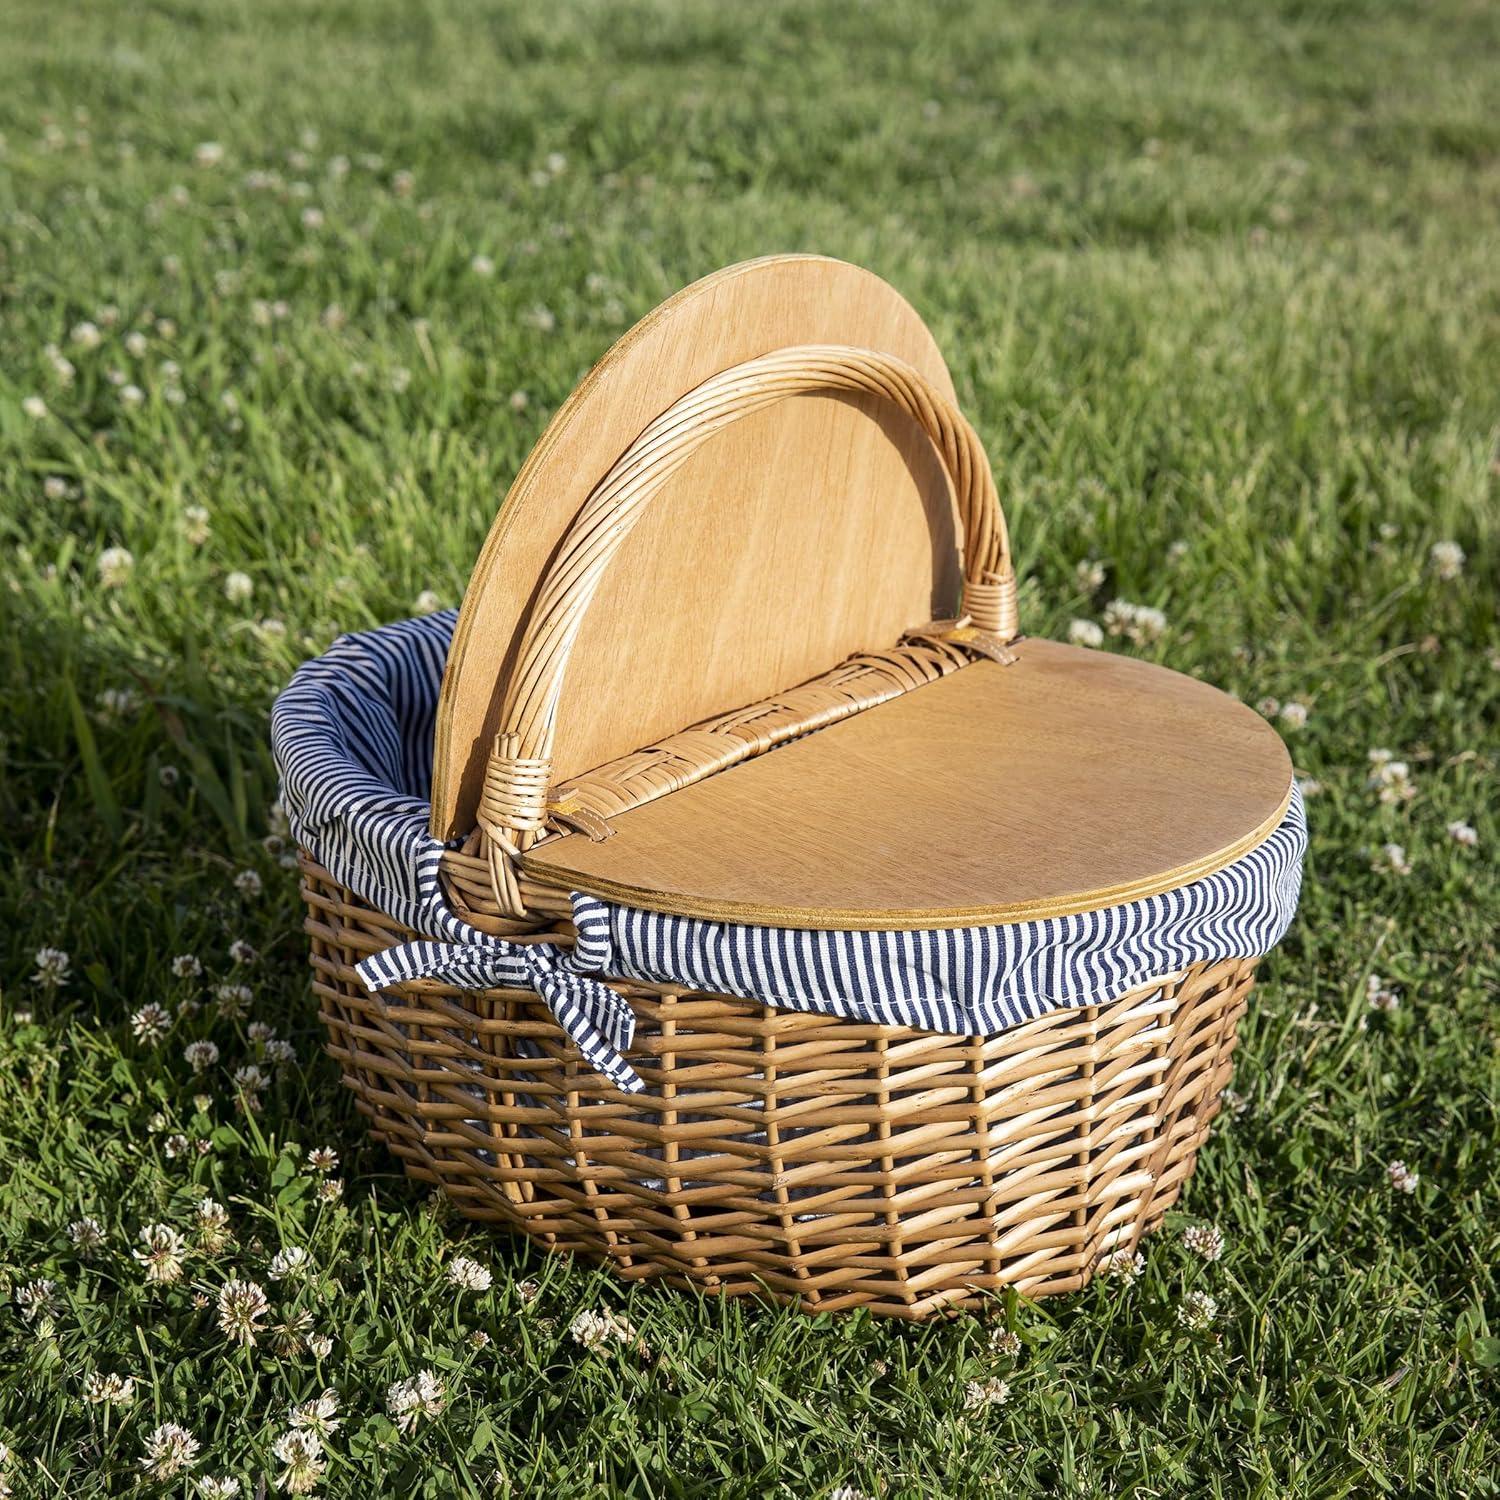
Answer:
(820, 1162)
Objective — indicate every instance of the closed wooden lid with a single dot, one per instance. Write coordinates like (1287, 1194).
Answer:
(1071, 780)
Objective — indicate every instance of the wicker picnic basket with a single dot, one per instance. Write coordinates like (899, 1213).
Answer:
(766, 495)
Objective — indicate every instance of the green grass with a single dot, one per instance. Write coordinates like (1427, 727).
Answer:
(1220, 285)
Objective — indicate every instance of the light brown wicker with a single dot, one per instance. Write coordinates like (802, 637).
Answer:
(826, 1162)
(829, 1163)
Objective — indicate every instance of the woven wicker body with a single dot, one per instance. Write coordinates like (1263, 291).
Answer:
(822, 1162)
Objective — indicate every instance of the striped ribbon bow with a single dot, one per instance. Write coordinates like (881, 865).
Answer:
(596, 1017)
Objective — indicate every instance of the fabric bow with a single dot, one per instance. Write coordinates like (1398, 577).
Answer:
(596, 1017)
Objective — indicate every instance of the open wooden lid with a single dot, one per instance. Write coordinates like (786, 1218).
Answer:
(1070, 780)
(818, 527)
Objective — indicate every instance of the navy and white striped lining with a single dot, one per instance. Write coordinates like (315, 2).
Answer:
(353, 736)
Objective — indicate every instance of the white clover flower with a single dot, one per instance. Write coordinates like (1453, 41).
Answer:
(290, 1262)
(115, 565)
(1124, 1265)
(100, 1389)
(151, 1023)
(1463, 833)
(175, 1145)
(280, 1051)
(1005, 1343)
(86, 335)
(211, 1220)
(1139, 623)
(428, 602)
(168, 776)
(402, 183)
(1380, 995)
(118, 703)
(1197, 1311)
(322, 1159)
(422, 1395)
(1391, 860)
(1309, 786)
(33, 406)
(1177, 551)
(201, 1056)
(1448, 560)
(242, 953)
(86, 1235)
(288, 1338)
(232, 1000)
(224, 1487)
(594, 1330)
(1206, 1241)
(848, 1492)
(1085, 633)
(301, 1455)
(169, 1450)
(330, 1190)
(132, 395)
(540, 317)
(1391, 778)
(55, 487)
(242, 1305)
(1150, 624)
(1401, 1177)
(528, 1291)
(52, 966)
(247, 883)
(260, 1031)
(982, 1393)
(400, 379)
(36, 1299)
(135, 344)
(187, 966)
(319, 1345)
(238, 587)
(312, 218)
(468, 1275)
(320, 1415)
(251, 1081)
(519, 400)
(163, 1254)
(482, 265)
(208, 154)
(195, 524)
(1294, 715)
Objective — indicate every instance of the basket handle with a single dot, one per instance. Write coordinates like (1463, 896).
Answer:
(513, 806)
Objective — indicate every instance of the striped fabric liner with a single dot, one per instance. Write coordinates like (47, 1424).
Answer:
(353, 736)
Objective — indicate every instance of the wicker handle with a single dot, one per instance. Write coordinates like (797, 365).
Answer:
(513, 806)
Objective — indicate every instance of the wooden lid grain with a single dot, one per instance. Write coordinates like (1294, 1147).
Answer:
(1071, 780)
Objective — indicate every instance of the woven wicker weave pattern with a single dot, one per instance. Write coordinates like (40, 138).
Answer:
(826, 1162)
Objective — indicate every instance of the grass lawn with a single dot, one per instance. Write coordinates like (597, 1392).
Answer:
(287, 291)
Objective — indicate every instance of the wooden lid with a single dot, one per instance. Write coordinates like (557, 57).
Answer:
(790, 540)
(1071, 780)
